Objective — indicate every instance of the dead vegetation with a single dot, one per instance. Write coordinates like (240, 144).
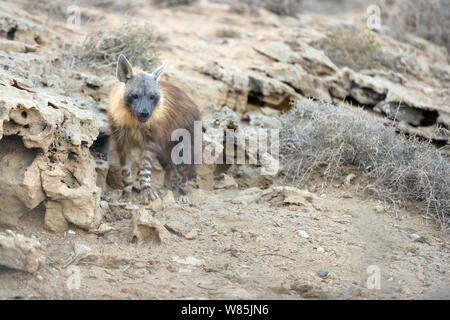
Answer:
(227, 33)
(328, 139)
(356, 48)
(280, 7)
(100, 50)
(427, 19)
(171, 3)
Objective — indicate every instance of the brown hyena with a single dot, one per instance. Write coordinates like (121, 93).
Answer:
(142, 114)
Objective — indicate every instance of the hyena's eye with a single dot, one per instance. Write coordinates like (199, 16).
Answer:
(152, 97)
(134, 96)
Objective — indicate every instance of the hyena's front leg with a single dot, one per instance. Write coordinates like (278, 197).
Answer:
(145, 178)
(127, 178)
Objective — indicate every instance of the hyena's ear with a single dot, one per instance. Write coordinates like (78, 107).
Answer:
(157, 73)
(124, 71)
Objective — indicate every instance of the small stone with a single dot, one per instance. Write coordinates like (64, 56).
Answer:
(320, 250)
(192, 235)
(323, 273)
(312, 189)
(189, 261)
(379, 209)
(104, 205)
(308, 290)
(350, 292)
(415, 236)
(303, 234)
(148, 229)
(348, 179)
(102, 229)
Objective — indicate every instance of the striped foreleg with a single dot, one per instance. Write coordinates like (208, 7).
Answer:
(145, 178)
(127, 178)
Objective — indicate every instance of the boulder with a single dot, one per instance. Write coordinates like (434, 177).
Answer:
(312, 60)
(308, 85)
(20, 252)
(271, 92)
(148, 229)
(236, 80)
(279, 51)
(44, 148)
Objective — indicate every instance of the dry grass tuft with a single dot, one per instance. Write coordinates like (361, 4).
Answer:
(320, 137)
(101, 49)
(356, 48)
(227, 33)
(172, 3)
(427, 19)
(280, 7)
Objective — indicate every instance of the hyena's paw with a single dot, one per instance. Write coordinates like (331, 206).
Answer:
(183, 200)
(126, 196)
(148, 195)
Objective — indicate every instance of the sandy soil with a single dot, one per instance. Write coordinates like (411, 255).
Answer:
(242, 251)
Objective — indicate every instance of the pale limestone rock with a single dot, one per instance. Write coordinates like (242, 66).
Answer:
(20, 252)
(148, 229)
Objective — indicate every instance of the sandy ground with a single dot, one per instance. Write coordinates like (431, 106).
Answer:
(247, 251)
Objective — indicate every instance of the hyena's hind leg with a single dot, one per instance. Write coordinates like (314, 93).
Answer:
(179, 182)
(145, 178)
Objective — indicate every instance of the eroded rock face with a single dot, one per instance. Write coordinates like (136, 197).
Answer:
(21, 29)
(271, 92)
(418, 112)
(20, 252)
(235, 79)
(44, 154)
(312, 60)
(20, 183)
(308, 85)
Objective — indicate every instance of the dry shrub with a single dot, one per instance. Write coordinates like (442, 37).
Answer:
(280, 7)
(227, 33)
(171, 3)
(427, 19)
(320, 137)
(283, 7)
(356, 48)
(101, 49)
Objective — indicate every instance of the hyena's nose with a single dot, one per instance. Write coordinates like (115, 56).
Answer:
(143, 116)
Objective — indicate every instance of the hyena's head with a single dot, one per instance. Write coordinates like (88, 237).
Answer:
(141, 90)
